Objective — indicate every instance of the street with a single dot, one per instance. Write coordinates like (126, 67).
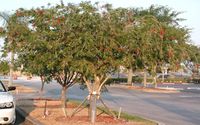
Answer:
(170, 109)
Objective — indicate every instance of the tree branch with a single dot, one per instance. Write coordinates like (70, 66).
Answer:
(58, 79)
(72, 80)
(88, 84)
(104, 81)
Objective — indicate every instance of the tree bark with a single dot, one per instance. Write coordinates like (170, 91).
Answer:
(130, 74)
(93, 98)
(155, 77)
(145, 78)
(42, 81)
(63, 99)
(89, 108)
(11, 69)
(155, 81)
(93, 101)
(163, 75)
(94, 91)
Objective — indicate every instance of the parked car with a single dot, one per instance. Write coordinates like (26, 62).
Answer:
(7, 105)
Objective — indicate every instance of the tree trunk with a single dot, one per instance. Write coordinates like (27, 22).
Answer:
(63, 99)
(155, 77)
(93, 98)
(93, 101)
(163, 75)
(89, 108)
(155, 81)
(145, 78)
(11, 69)
(130, 74)
(42, 80)
(95, 88)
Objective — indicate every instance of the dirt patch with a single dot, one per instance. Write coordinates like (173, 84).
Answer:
(24, 89)
(101, 120)
(49, 112)
(54, 114)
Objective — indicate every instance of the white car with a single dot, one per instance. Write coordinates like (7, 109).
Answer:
(7, 105)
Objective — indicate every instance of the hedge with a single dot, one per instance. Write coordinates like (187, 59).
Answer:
(149, 80)
(195, 80)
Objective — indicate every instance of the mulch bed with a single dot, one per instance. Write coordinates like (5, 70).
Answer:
(99, 119)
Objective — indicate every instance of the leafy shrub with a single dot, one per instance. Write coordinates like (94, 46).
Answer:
(136, 79)
(195, 80)
(174, 80)
(116, 80)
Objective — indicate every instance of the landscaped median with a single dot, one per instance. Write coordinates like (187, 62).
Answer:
(49, 111)
(154, 90)
(148, 89)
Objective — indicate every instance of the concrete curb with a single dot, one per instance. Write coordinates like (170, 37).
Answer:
(28, 120)
(171, 88)
(158, 122)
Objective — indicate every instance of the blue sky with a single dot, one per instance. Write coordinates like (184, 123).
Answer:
(190, 8)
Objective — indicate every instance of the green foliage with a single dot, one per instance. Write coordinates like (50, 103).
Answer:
(193, 53)
(4, 67)
(92, 40)
(99, 46)
(195, 80)
(160, 39)
(124, 80)
(116, 80)
(136, 79)
(175, 80)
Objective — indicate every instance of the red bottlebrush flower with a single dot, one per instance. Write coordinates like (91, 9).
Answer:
(40, 12)
(1, 29)
(101, 48)
(18, 13)
(153, 30)
(63, 18)
(162, 32)
(33, 24)
(137, 51)
(170, 53)
(177, 66)
(120, 49)
(58, 21)
(172, 38)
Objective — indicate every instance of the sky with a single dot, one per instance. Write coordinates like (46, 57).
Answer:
(190, 8)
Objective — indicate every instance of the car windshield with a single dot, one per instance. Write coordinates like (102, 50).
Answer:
(2, 88)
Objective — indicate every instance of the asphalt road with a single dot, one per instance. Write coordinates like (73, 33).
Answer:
(170, 109)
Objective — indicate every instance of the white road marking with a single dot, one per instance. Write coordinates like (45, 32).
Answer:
(195, 88)
(190, 96)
